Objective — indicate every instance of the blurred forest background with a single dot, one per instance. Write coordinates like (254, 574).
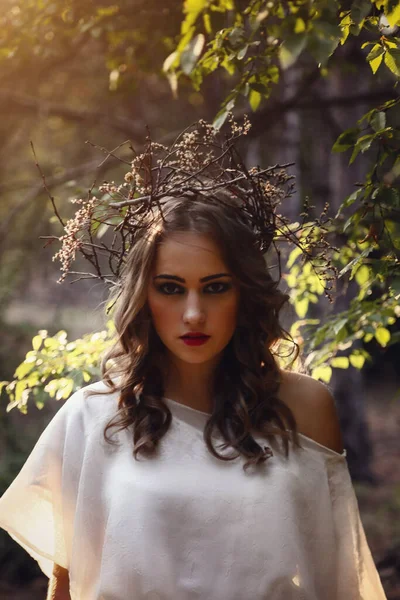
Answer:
(319, 83)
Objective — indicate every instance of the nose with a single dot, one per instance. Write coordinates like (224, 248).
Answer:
(193, 311)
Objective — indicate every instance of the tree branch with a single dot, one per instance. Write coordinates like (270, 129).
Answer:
(41, 105)
(267, 117)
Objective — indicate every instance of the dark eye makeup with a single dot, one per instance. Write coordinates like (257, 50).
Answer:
(165, 288)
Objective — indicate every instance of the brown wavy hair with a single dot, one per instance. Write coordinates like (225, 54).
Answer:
(247, 379)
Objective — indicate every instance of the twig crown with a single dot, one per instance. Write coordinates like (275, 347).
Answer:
(200, 162)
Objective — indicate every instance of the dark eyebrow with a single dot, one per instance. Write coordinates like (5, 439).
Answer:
(202, 280)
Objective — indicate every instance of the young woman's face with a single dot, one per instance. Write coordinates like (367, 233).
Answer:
(192, 290)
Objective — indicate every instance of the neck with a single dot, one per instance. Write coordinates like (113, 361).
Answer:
(190, 384)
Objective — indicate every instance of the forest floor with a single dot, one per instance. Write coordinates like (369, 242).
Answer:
(379, 506)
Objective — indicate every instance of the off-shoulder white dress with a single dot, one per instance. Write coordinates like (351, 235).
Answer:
(186, 525)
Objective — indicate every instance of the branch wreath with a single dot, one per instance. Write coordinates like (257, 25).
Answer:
(200, 162)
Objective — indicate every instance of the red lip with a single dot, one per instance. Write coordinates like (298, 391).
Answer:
(195, 340)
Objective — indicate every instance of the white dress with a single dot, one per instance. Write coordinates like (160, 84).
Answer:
(186, 525)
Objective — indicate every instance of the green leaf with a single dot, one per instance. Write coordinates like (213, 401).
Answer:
(23, 369)
(338, 326)
(355, 261)
(382, 336)
(300, 25)
(346, 139)
(21, 393)
(3, 384)
(207, 23)
(171, 61)
(37, 342)
(365, 141)
(66, 385)
(323, 40)
(236, 35)
(393, 14)
(324, 372)
(376, 51)
(301, 307)
(291, 49)
(242, 53)
(103, 228)
(349, 201)
(359, 10)
(345, 24)
(190, 55)
(258, 87)
(378, 121)
(362, 275)
(220, 119)
(296, 252)
(192, 9)
(254, 99)
(376, 63)
(357, 360)
(365, 44)
(362, 145)
(392, 61)
(340, 362)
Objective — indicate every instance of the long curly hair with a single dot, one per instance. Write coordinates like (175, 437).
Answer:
(247, 379)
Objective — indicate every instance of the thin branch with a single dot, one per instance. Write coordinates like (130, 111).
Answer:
(46, 188)
(267, 117)
(178, 191)
(110, 152)
(36, 104)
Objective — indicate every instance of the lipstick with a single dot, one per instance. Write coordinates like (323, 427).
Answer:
(195, 341)
(194, 338)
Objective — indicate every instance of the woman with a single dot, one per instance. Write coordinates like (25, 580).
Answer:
(130, 492)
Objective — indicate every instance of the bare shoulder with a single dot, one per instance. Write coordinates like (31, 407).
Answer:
(313, 407)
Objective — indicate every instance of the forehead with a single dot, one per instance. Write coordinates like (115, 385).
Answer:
(191, 251)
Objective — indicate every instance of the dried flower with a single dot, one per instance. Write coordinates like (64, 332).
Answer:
(201, 161)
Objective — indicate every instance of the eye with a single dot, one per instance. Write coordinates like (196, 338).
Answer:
(167, 286)
(217, 287)
(223, 287)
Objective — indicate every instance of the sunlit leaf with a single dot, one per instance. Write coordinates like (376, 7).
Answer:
(37, 342)
(338, 325)
(324, 373)
(392, 13)
(340, 362)
(254, 99)
(378, 121)
(382, 336)
(23, 369)
(301, 307)
(220, 119)
(191, 54)
(362, 275)
(291, 49)
(392, 61)
(376, 63)
(172, 60)
(357, 360)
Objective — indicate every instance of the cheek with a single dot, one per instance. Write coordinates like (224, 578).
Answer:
(162, 312)
(227, 315)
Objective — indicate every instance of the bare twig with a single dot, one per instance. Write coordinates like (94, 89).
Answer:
(201, 162)
(46, 188)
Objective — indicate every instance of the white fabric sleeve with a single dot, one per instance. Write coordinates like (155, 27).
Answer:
(357, 576)
(37, 510)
